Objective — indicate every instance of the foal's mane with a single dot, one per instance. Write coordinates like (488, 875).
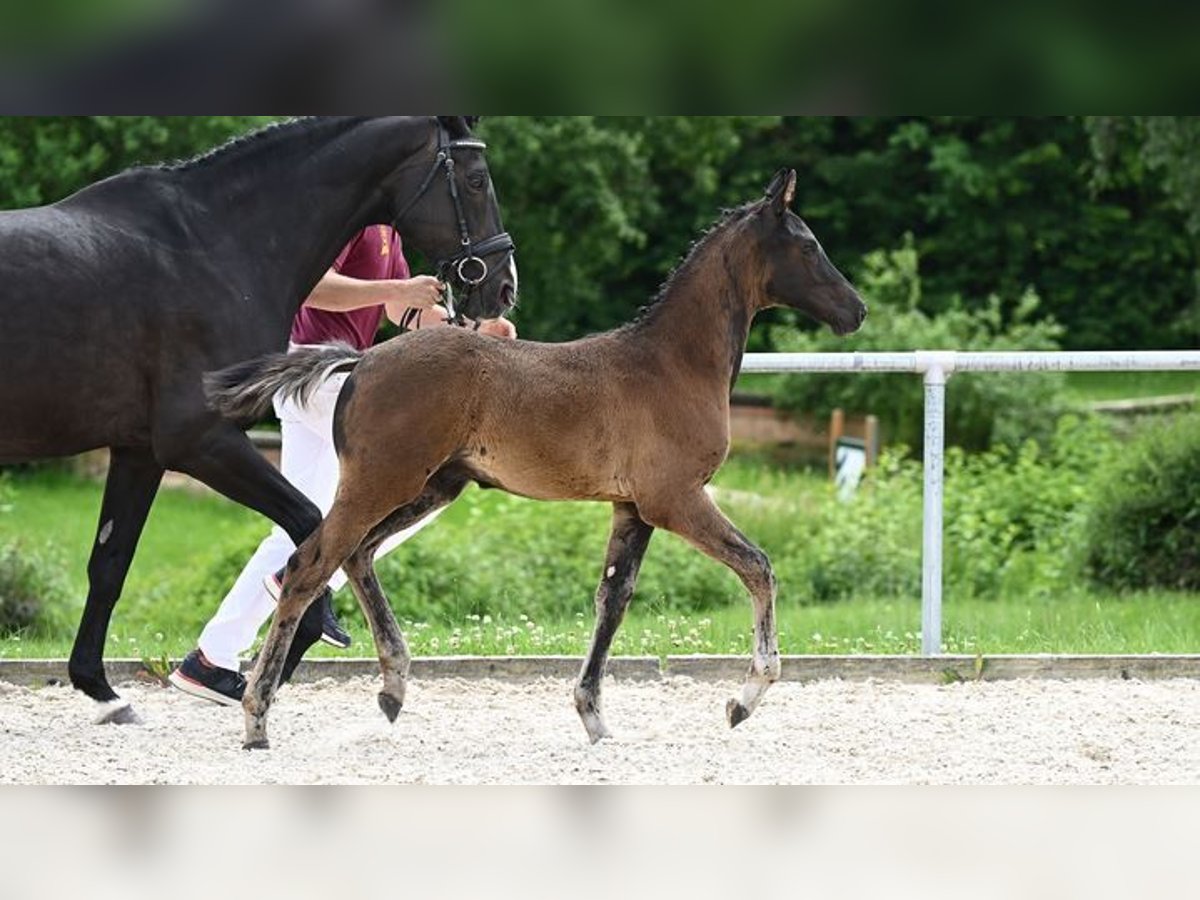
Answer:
(693, 260)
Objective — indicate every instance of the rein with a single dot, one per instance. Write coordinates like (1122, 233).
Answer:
(467, 266)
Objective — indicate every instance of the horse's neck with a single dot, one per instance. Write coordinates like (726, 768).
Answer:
(703, 318)
(298, 202)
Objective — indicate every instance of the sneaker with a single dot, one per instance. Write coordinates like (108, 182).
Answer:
(200, 678)
(332, 633)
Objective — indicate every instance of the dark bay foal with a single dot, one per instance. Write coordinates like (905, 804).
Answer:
(637, 417)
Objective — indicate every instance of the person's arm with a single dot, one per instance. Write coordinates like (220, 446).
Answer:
(501, 328)
(341, 293)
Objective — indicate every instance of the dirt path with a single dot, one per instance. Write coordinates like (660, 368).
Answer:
(669, 731)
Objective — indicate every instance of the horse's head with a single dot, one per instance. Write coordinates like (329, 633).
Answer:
(797, 271)
(455, 219)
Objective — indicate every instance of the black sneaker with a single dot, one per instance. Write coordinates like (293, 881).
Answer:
(332, 633)
(200, 678)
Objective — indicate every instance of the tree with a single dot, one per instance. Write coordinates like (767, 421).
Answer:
(45, 159)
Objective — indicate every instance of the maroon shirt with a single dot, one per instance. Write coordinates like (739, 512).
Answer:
(373, 255)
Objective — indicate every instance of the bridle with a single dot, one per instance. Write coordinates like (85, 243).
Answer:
(468, 267)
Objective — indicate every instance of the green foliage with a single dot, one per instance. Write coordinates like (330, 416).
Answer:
(1144, 529)
(46, 158)
(999, 205)
(981, 410)
(33, 596)
(549, 570)
(603, 207)
(1012, 520)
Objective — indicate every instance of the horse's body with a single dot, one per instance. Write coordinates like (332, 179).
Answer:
(638, 417)
(117, 299)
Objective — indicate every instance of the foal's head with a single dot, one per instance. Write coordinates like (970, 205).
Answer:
(797, 273)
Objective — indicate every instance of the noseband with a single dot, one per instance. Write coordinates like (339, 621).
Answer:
(468, 267)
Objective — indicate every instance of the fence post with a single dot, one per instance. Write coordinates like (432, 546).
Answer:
(837, 427)
(937, 368)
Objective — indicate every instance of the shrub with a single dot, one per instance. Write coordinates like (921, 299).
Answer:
(1144, 527)
(33, 596)
(981, 409)
(1012, 521)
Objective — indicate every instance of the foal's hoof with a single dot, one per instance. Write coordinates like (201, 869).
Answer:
(118, 712)
(260, 744)
(390, 706)
(736, 713)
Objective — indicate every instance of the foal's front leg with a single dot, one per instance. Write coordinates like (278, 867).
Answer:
(697, 520)
(626, 546)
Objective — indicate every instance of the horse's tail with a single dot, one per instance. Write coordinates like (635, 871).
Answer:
(243, 392)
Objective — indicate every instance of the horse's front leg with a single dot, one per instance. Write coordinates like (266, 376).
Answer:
(627, 544)
(133, 479)
(697, 520)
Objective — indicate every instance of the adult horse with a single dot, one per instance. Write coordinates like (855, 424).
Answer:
(116, 300)
(638, 417)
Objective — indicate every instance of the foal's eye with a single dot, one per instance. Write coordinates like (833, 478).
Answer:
(810, 247)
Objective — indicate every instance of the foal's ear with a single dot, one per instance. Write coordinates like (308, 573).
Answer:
(782, 190)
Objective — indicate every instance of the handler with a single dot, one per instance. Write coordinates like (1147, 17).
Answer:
(369, 279)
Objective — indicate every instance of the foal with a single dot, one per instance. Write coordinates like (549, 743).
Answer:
(637, 417)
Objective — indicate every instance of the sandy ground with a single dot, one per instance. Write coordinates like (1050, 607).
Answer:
(665, 732)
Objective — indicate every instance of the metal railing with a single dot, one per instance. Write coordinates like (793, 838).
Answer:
(937, 366)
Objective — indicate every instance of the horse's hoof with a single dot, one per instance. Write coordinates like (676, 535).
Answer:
(118, 712)
(390, 706)
(260, 744)
(736, 713)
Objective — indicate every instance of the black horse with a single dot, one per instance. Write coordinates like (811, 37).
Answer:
(116, 300)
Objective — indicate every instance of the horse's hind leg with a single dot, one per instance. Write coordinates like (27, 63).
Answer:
(626, 547)
(697, 519)
(133, 479)
(394, 658)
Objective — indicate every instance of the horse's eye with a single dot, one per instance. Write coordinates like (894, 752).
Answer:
(476, 181)
(810, 247)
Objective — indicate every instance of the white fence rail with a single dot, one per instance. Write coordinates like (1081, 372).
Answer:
(937, 367)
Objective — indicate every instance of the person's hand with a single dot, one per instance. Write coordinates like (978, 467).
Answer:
(501, 328)
(418, 292)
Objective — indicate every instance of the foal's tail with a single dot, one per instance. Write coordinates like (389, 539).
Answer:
(243, 392)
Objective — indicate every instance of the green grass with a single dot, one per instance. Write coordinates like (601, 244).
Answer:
(191, 536)
(1144, 623)
(183, 527)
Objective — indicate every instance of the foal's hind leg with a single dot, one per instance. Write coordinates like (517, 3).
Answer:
(697, 519)
(626, 546)
(308, 571)
(394, 658)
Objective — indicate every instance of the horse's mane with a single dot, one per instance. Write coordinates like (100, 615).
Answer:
(687, 265)
(252, 141)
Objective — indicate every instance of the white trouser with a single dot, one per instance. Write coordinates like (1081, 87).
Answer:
(308, 460)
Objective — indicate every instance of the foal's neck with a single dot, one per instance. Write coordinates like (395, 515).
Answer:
(704, 314)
